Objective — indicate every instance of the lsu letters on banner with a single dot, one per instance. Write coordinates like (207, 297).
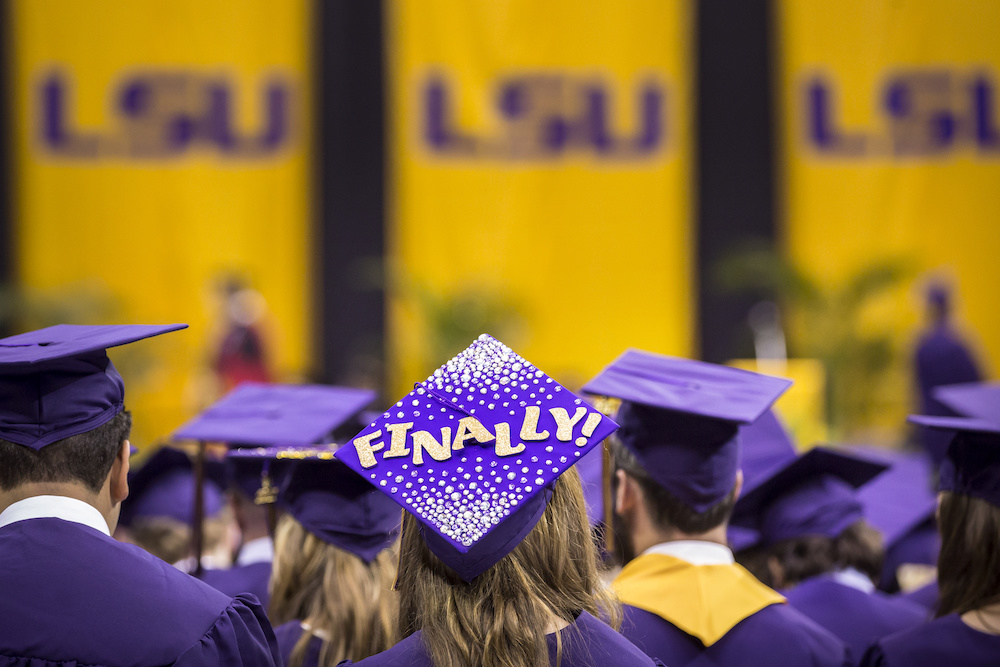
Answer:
(160, 143)
(892, 147)
(539, 152)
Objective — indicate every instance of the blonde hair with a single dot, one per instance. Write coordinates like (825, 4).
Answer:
(500, 618)
(170, 540)
(351, 603)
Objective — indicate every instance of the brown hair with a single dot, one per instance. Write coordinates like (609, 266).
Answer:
(86, 458)
(347, 600)
(500, 618)
(969, 563)
(858, 546)
(667, 511)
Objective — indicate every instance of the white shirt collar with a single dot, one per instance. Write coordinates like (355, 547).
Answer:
(58, 507)
(260, 550)
(854, 579)
(696, 552)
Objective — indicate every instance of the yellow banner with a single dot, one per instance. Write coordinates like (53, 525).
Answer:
(160, 145)
(892, 151)
(539, 180)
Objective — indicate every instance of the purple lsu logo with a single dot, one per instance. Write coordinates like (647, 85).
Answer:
(165, 114)
(545, 116)
(925, 113)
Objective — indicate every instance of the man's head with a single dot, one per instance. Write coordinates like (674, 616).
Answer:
(63, 425)
(84, 459)
(679, 451)
(91, 466)
(642, 503)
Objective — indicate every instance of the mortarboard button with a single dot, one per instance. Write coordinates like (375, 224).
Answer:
(58, 382)
(472, 452)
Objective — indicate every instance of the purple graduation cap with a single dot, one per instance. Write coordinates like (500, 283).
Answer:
(741, 537)
(972, 463)
(330, 500)
(767, 447)
(262, 414)
(58, 382)
(266, 414)
(164, 487)
(979, 400)
(901, 504)
(473, 452)
(899, 500)
(681, 419)
(812, 495)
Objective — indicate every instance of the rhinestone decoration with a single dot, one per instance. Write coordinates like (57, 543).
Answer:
(503, 419)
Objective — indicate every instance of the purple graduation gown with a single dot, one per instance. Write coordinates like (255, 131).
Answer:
(775, 635)
(925, 596)
(252, 578)
(288, 635)
(856, 617)
(587, 643)
(73, 596)
(943, 642)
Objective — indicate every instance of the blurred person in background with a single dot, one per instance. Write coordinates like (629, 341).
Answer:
(241, 354)
(332, 594)
(817, 548)
(966, 630)
(676, 479)
(72, 595)
(252, 498)
(497, 566)
(942, 357)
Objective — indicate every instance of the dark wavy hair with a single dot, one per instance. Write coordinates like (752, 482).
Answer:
(86, 458)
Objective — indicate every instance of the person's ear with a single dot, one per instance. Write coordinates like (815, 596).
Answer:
(626, 493)
(739, 483)
(119, 474)
(777, 572)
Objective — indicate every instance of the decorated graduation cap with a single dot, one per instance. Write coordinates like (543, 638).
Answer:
(58, 382)
(330, 500)
(972, 464)
(979, 400)
(164, 487)
(814, 494)
(259, 414)
(474, 450)
(681, 419)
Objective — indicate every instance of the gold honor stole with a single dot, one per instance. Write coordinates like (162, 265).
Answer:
(705, 601)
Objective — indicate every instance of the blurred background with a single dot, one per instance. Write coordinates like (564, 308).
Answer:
(349, 191)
